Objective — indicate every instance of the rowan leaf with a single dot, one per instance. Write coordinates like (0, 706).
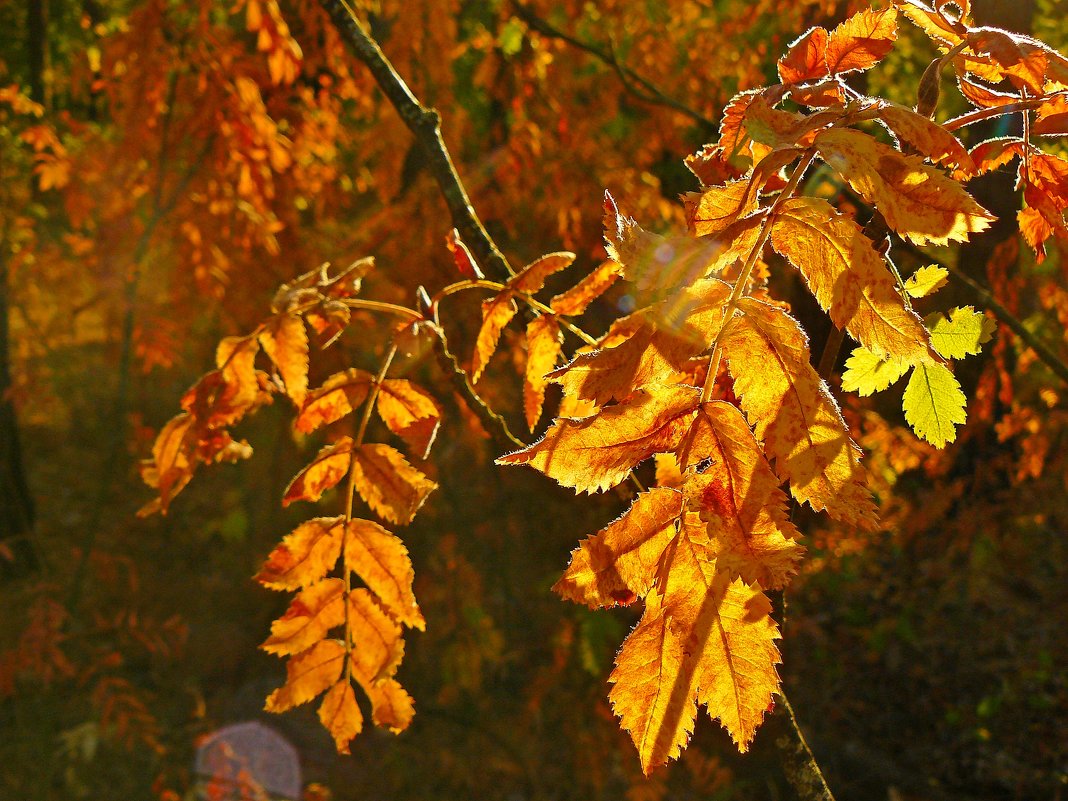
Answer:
(381, 560)
(962, 332)
(862, 41)
(308, 674)
(311, 614)
(596, 453)
(497, 312)
(377, 637)
(532, 277)
(929, 138)
(713, 209)
(576, 300)
(392, 488)
(917, 201)
(325, 471)
(849, 279)
(807, 57)
(285, 341)
(410, 412)
(867, 373)
(934, 404)
(794, 414)
(340, 715)
(391, 706)
(739, 499)
(340, 394)
(618, 564)
(461, 255)
(926, 280)
(544, 341)
(304, 556)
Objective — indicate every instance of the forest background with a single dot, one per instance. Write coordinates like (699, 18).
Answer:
(165, 166)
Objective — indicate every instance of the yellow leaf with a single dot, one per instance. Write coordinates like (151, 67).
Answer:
(794, 414)
(862, 41)
(377, 638)
(392, 488)
(713, 209)
(618, 564)
(926, 281)
(496, 314)
(917, 201)
(934, 404)
(381, 560)
(410, 412)
(531, 278)
(285, 341)
(928, 137)
(340, 715)
(308, 674)
(305, 556)
(240, 392)
(576, 300)
(849, 279)
(544, 341)
(739, 499)
(597, 453)
(339, 395)
(391, 706)
(326, 470)
(962, 332)
(309, 617)
(867, 373)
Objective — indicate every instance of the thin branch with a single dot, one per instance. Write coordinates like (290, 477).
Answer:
(425, 125)
(641, 87)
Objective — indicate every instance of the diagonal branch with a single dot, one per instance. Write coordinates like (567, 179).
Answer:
(425, 125)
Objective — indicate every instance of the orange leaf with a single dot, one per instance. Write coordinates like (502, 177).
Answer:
(807, 57)
(929, 138)
(618, 564)
(381, 560)
(576, 300)
(339, 395)
(597, 453)
(496, 314)
(862, 41)
(311, 614)
(411, 413)
(392, 488)
(391, 706)
(794, 414)
(849, 279)
(308, 674)
(340, 715)
(532, 277)
(461, 256)
(544, 341)
(712, 210)
(918, 202)
(285, 341)
(305, 556)
(171, 467)
(325, 471)
(379, 647)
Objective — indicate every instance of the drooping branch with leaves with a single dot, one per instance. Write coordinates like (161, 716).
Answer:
(710, 377)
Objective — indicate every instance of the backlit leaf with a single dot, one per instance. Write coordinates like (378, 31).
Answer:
(862, 41)
(311, 614)
(598, 452)
(381, 560)
(308, 674)
(865, 373)
(544, 341)
(339, 395)
(960, 333)
(926, 280)
(714, 208)
(305, 556)
(532, 277)
(917, 201)
(285, 341)
(807, 57)
(340, 715)
(929, 138)
(934, 404)
(392, 488)
(325, 471)
(379, 646)
(410, 412)
(497, 312)
(391, 706)
(577, 299)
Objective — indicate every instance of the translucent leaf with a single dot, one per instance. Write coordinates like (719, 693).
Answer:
(497, 312)
(379, 646)
(325, 471)
(340, 715)
(713, 209)
(381, 560)
(285, 341)
(807, 57)
(926, 281)
(410, 412)
(576, 300)
(532, 277)
(391, 706)
(934, 404)
(865, 373)
(392, 488)
(862, 41)
(340, 394)
(962, 332)
(308, 674)
(544, 340)
(311, 614)
(927, 137)
(305, 556)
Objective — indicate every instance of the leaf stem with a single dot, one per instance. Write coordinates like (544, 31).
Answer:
(380, 306)
(997, 111)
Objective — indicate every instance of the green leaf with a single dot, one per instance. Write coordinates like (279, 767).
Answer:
(934, 404)
(867, 374)
(960, 334)
(926, 281)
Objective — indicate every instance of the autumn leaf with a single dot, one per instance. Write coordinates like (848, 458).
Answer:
(849, 279)
(307, 675)
(410, 412)
(379, 646)
(578, 298)
(381, 560)
(934, 404)
(462, 258)
(496, 314)
(339, 395)
(325, 471)
(544, 341)
(926, 280)
(865, 373)
(340, 715)
(962, 332)
(391, 707)
(312, 613)
(304, 556)
(918, 202)
(392, 488)
(807, 57)
(862, 41)
(928, 138)
(285, 341)
(794, 414)
(598, 452)
(713, 209)
(532, 277)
